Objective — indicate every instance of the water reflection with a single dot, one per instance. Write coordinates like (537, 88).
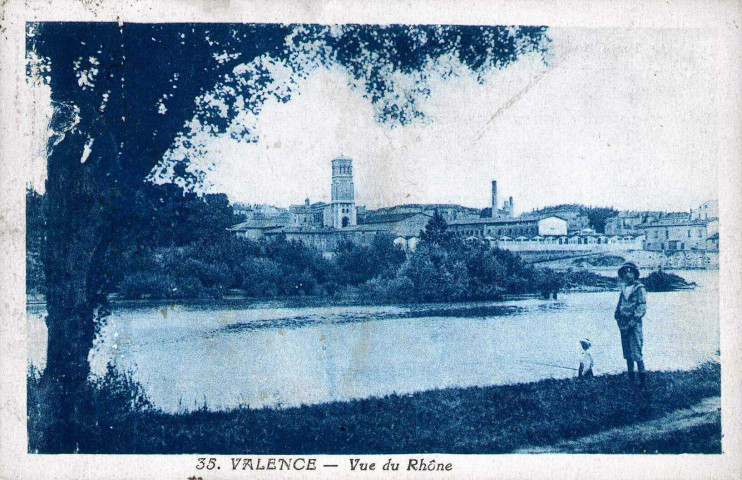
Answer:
(339, 318)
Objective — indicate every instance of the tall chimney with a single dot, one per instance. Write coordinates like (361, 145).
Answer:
(511, 209)
(494, 199)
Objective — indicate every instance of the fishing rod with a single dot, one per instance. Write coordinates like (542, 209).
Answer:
(550, 365)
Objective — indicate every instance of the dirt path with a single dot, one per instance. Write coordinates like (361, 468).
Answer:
(705, 412)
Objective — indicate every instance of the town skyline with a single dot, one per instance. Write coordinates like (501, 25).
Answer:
(325, 198)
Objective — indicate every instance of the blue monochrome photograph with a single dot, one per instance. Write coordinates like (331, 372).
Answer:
(306, 239)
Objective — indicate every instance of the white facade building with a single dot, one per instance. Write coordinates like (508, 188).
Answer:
(551, 226)
(706, 211)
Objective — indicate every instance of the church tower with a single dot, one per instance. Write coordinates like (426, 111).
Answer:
(343, 205)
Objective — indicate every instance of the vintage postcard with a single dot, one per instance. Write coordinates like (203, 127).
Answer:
(355, 240)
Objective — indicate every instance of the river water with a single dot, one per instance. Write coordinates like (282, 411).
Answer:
(270, 355)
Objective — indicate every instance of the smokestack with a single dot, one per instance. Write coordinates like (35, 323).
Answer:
(494, 199)
(512, 211)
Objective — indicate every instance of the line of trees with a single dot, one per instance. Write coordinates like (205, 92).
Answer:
(173, 244)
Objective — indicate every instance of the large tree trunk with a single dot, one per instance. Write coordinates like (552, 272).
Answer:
(78, 231)
(86, 195)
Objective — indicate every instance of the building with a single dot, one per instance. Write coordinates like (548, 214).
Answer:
(307, 215)
(405, 225)
(708, 210)
(242, 209)
(697, 230)
(340, 212)
(674, 234)
(508, 210)
(627, 222)
(327, 239)
(260, 212)
(552, 226)
(712, 226)
(325, 225)
(576, 219)
(712, 242)
(449, 211)
(507, 206)
(543, 234)
(255, 229)
(499, 228)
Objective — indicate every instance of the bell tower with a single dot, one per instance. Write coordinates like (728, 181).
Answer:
(343, 204)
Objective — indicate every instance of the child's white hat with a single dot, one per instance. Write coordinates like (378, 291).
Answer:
(586, 341)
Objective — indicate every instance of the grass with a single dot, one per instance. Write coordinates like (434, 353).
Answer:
(705, 438)
(497, 419)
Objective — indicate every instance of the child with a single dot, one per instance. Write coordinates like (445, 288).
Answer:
(586, 361)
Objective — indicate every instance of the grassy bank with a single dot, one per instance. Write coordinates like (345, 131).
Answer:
(496, 419)
(704, 438)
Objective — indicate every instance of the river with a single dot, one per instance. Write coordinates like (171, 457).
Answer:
(271, 355)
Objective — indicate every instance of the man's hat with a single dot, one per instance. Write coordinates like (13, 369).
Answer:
(629, 265)
(586, 341)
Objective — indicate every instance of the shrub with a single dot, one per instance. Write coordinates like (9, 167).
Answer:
(147, 285)
(260, 277)
(397, 289)
(109, 413)
(660, 281)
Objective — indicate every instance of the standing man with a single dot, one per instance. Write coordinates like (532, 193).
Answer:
(632, 305)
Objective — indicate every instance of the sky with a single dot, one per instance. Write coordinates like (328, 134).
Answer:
(622, 118)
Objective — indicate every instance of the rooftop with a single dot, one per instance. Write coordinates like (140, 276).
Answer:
(389, 217)
(493, 221)
(500, 221)
(304, 208)
(428, 206)
(672, 222)
(255, 224)
(327, 230)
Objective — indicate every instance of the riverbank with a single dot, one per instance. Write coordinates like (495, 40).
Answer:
(497, 419)
(693, 429)
(578, 281)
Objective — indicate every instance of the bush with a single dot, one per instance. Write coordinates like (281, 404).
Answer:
(660, 281)
(109, 414)
(447, 269)
(601, 261)
(147, 285)
(397, 289)
(260, 277)
(436, 274)
(587, 278)
(299, 283)
(191, 287)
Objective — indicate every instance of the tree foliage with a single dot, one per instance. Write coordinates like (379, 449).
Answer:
(445, 268)
(126, 95)
(436, 232)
